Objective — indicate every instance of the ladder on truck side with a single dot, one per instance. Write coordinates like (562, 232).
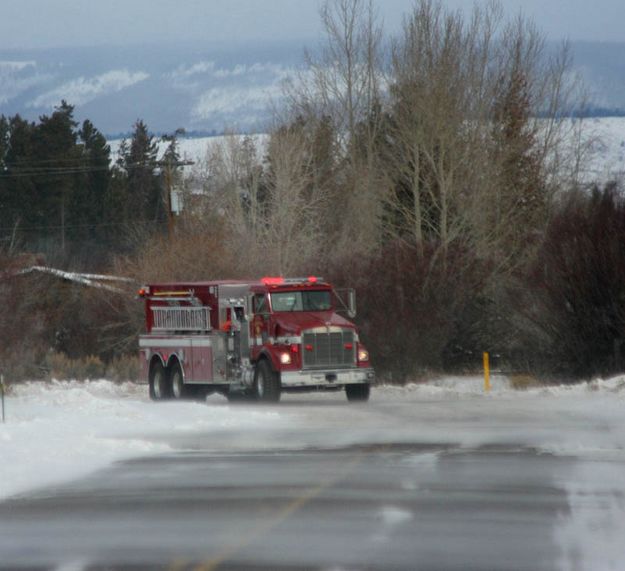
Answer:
(180, 318)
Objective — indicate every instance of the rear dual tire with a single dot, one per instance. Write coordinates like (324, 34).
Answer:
(168, 383)
(179, 390)
(159, 384)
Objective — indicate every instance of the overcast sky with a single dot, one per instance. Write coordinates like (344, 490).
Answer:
(48, 23)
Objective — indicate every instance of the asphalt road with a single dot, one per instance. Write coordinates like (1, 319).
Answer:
(343, 487)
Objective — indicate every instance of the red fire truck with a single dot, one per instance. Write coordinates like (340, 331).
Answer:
(251, 340)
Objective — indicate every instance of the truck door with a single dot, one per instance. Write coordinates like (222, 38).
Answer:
(241, 332)
(259, 326)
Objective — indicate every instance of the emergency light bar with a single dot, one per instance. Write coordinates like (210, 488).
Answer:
(279, 280)
(269, 281)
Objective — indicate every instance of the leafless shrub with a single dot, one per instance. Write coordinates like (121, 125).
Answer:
(574, 306)
(122, 368)
(408, 306)
(60, 366)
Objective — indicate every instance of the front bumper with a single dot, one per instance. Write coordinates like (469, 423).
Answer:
(326, 378)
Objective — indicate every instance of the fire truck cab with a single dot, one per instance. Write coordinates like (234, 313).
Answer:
(251, 340)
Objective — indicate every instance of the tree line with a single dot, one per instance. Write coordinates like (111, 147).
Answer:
(63, 194)
(439, 172)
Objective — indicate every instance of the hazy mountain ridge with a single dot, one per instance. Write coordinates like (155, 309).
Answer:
(602, 66)
(206, 87)
(203, 88)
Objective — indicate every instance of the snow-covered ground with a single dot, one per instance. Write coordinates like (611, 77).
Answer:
(59, 431)
(194, 149)
(606, 154)
(604, 137)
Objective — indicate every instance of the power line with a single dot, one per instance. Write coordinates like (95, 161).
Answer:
(74, 226)
(50, 172)
(36, 171)
(30, 160)
(26, 170)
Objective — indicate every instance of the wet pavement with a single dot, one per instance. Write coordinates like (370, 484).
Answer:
(361, 489)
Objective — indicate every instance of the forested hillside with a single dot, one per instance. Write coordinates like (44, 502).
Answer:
(437, 172)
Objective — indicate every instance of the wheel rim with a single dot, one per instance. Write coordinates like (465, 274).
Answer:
(158, 393)
(177, 385)
(260, 384)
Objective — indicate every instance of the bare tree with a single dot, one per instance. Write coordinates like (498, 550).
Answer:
(440, 96)
(341, 86)
(476, 131)
(270, 210)
(291, 232)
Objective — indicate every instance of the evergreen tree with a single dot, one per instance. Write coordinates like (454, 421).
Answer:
(4, 148)
(56, 149)
(19, 206)
(145, 197)
(4, 140)
(90, 198)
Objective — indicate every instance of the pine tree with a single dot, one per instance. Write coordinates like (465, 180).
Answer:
(4, 148)
(19, 205)
(145, 199)
(4, 140)
(90, 198)
(55, 146)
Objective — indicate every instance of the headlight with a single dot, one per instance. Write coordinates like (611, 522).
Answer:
(285, 358)
(363, 355)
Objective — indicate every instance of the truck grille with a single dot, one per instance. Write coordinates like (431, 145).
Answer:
(335, 349)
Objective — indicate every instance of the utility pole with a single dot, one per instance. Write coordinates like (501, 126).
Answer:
(63, 222)
(168, 165)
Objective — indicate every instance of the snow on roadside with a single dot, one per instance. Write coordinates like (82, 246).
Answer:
(449, 387)
(59, 431)
(466, 386)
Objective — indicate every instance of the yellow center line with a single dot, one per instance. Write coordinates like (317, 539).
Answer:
(281, 515)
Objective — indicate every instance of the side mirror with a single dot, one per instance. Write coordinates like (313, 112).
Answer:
(351, 303)
(346, 295)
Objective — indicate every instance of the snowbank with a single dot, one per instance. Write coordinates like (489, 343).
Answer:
(466, 386)
(64, 430)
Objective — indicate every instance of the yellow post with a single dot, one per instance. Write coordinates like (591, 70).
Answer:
(486, 373)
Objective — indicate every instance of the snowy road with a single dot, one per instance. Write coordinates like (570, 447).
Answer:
(426, 477)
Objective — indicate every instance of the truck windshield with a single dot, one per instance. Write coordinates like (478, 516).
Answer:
(301, 301)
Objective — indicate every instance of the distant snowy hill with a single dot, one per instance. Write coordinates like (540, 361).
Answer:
(204, 87)
(606, 154)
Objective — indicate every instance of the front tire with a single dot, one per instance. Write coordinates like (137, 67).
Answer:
(159, 389)
(358, 393)
(266, 383)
